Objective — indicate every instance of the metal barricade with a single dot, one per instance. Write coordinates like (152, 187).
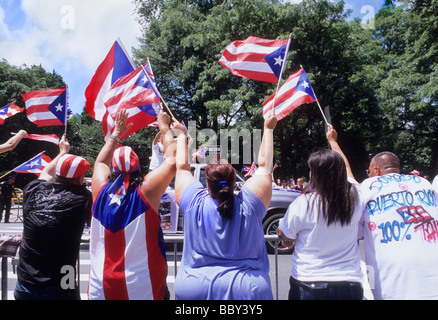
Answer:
(180, 239)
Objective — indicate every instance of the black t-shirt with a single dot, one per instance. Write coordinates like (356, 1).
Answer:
(54, 215)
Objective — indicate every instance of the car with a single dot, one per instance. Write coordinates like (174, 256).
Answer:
(280, 201)
(19, 199)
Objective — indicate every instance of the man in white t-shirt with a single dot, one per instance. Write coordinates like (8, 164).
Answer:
(400, 229)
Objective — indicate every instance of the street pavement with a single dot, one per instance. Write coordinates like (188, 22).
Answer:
(281, 272)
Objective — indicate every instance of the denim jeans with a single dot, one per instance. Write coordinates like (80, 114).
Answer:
(44, 293)
(325, 290)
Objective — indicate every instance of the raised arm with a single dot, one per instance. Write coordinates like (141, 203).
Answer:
(261, 182)
(102, 165)
(155, 182)
(332, 136)
(184, 175)
(49, 172)
(13, 142)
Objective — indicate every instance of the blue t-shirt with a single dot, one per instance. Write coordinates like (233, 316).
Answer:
(222, 258)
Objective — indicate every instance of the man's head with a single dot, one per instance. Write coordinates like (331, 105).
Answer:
(71, 169)
(384, 163)
(11, 179)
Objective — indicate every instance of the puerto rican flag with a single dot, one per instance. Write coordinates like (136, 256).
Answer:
(52, 138)
(115, 65)
(136, 93)
(293, 93)
(256, 58)
(47, 107)
(130, 91)
(35, 165)
(199, 153)
(9, 111)
(128, 259)
(251, 170)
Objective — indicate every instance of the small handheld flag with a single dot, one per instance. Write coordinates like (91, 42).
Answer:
(252, 170)
(35, 165)
(294, 92)
(256, 58)
(9, 111)
(199, 153)
(47, 107)
(52, 138)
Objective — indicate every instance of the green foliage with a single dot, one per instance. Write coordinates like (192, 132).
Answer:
(381, 84)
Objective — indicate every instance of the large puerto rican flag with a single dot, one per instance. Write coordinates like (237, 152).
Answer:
(137, 94)
(9, 111)
(293, 93)
(115, 65)
(47, 107)
(128, 259)
(256, 58)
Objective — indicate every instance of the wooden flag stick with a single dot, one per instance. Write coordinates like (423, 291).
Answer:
(325, 119)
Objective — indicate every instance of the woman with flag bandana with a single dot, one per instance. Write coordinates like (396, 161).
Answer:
(128, 260)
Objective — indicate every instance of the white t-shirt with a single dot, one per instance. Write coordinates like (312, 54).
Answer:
(158, 156)
(435, 183)
(400, 230)
(323, 253)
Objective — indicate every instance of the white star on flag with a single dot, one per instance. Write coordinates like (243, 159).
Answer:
(34, 164)
(278, 60)
(115, 198)
(59, 107)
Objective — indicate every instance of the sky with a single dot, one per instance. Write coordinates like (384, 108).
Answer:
(72, 37)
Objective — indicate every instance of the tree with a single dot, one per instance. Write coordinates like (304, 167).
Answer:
(185, 41)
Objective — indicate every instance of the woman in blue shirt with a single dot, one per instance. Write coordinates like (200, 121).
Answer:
(224, 256)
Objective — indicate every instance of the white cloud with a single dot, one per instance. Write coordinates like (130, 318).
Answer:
(70, 36)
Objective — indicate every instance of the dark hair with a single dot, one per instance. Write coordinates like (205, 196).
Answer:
(135, 178)
(220, 179)
(328, 179)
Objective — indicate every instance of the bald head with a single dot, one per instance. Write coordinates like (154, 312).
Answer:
(384, 163)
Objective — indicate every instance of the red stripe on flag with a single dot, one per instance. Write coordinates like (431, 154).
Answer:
(253, 75)
(43, 93)
(114, 284)
(248, 56)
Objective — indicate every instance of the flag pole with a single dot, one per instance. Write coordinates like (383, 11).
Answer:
(21, 165)
(281, 73)
(317, 101)
(156, 90)
(66, 110)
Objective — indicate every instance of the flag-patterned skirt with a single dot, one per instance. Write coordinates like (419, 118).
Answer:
(127, 253)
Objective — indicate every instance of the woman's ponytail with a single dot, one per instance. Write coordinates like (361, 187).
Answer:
(220, 180)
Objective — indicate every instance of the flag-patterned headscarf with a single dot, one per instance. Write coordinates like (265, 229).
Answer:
(70, 166)
(125, 161)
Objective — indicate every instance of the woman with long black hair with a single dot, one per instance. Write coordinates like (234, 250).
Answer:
(323, 225)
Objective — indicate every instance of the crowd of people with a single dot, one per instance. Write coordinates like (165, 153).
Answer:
(224, 253)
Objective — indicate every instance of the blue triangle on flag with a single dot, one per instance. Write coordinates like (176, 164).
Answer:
(276, 59)
(59, 107)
